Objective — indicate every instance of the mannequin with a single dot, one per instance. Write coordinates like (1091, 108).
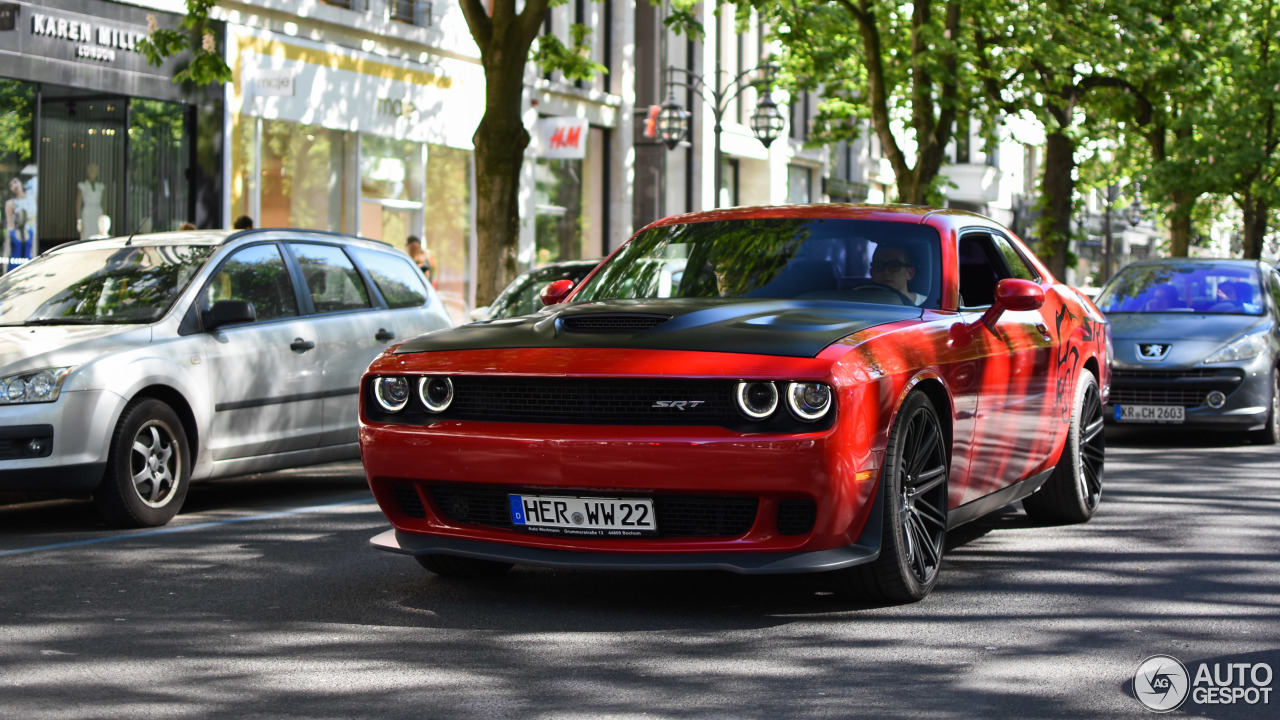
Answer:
(19, 224)
(104, 227)
(89, 201)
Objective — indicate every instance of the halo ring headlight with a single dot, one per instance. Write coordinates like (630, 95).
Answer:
(391, 392)
(808, 401)
(756, 400)
(436, 393)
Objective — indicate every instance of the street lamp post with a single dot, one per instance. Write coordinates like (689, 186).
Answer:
(766, 122)
(1113, 191)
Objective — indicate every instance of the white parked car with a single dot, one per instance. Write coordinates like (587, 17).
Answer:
(130, 367)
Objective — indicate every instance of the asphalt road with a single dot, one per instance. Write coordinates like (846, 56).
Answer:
(264, 599)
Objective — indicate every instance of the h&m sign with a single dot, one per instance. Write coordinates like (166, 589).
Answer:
(562, 138)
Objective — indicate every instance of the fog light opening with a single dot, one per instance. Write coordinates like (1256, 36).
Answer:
(1216, 399)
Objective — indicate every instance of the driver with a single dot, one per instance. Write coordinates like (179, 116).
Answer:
(893, 267)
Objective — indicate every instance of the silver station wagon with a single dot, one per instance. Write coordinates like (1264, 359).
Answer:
(130, 367)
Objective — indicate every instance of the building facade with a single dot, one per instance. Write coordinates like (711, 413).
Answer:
(93, 139)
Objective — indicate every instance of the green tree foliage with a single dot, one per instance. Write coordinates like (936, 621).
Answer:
(901, 66)
(207, 65)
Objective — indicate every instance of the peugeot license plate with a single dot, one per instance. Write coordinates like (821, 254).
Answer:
(1151, 413)
(584, 516)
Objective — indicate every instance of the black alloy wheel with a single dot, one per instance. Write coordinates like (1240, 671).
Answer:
(913, 484)
(1073, 491)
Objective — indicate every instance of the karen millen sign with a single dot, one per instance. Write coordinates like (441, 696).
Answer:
(97, 41)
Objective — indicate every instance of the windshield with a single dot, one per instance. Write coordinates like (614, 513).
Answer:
(780, 258)
(97, 285)
(1179, 288)
(522, 296)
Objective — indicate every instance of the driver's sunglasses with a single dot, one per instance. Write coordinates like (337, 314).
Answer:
(892, 266)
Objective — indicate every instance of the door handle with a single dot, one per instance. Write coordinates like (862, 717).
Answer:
(384, 335)
(300, 345)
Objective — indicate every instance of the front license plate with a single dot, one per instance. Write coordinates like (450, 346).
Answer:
(1151, 413)
(584, 516)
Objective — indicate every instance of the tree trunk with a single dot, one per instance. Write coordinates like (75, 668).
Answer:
(504, 38)
(1255, 226)
(1180, 223)
(1057, 188)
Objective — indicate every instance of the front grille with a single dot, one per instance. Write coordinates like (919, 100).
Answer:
(409, 502)
(796, 517)
(677, 515)
(1186, 388)
(574, 400)
(616, 323)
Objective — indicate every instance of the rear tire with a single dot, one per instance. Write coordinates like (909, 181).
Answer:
(1072, 493)
(913, 487)
(1270, 435)
(462, 567)
(148, 467)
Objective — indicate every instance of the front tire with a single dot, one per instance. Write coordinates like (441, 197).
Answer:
(1270, 434)
(913, 485)
(1072, 493)
(462, 567)
(148, 467)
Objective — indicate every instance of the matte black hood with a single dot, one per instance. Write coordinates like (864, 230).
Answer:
(793, 328)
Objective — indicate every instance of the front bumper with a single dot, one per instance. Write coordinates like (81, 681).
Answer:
(77, 428)
(1247, 387)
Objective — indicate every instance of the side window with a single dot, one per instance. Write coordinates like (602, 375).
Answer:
(331, 279)
(398, 279)
(981, 267)
(1018, 266)
(258, 275)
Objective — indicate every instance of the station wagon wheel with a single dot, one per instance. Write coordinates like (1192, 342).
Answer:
(913, 484)
(1072, 492)
(1270, 435)
(148, 467)
(462, 567)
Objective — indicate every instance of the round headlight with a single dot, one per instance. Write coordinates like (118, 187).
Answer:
(436, 393)
(40, 387)
(757, 400)
(391, 392)
(17, 388)
(808, 401)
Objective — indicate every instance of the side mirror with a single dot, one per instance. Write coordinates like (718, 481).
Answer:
(229, 312)
(556, 292)
(1016, 295)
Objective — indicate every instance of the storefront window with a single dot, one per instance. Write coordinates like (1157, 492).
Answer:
(18, 186)
(159, 165)
(569, 204)
(559, 210)
(83, 161)
(799, 184)
(301, 180)
(391, 189)
(448, 226)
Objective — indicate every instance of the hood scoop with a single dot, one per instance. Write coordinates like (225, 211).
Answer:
(611, 323)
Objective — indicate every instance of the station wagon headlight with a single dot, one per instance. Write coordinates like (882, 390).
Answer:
(1242, 349)
(756, 400)
(40, 386)
(436, 393)
(391, 392)
(808, 401)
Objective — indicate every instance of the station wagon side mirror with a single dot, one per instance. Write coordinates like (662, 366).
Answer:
(1013, 294)
(555, 292)
(229, 312)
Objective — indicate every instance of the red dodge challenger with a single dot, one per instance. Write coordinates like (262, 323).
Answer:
(793, 389)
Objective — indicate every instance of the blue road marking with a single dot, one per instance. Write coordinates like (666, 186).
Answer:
(185, 528)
